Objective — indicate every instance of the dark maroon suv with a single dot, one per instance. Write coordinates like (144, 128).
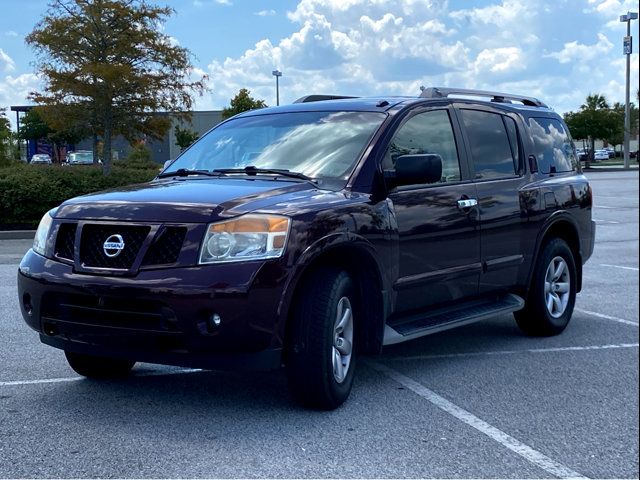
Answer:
(307, 235)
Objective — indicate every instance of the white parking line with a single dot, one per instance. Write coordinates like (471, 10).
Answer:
(75, 379)
(512, 352)
(44, 380)
(607, 317)
(535, 457)
(635, 269)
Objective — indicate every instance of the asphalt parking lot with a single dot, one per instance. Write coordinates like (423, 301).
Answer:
(480, 401)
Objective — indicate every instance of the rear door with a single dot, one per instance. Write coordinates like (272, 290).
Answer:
(439, 242)
(493, 141)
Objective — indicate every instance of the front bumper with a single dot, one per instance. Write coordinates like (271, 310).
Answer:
(159, 316)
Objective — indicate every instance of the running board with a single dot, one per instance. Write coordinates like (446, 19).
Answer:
(444, 319)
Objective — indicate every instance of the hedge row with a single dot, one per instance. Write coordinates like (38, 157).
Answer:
(28, 191)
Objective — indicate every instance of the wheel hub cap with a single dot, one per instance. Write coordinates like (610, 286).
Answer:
(557, 284)
(342, 348)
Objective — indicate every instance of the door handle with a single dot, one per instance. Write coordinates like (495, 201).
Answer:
(467, 203)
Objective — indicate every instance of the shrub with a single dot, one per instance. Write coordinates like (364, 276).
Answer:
(28, 191)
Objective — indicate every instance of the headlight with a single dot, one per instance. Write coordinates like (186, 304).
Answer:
(250, 237)
(40, 240)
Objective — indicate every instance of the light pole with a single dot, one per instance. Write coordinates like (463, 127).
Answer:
(277, 74)
(627, 48)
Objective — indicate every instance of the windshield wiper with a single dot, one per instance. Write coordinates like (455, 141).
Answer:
(252, 170)
(184, 172)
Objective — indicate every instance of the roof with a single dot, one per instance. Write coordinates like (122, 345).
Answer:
(21, 108)
(384, 104)
(360, 104)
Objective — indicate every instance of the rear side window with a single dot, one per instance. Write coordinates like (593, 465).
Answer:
(552, 143)
(493, 149)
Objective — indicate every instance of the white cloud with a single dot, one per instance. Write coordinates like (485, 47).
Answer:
(10, 33)
(508, 14)
(15, 90)
(547, 48)
(6, 62)
(202, 3)
(265, 13)
(499, 60)
(574, 51)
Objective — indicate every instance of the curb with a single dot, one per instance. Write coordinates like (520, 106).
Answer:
(17, 234)
(609, 169)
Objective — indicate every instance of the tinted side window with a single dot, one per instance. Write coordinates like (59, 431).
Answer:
(552, 144)
(512, 131)
(428, 132)
(490, 146)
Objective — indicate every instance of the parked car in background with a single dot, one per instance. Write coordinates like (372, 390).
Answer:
(600, 155)
(81, 157)
(610, 151)
(41, 159)
(582, 154)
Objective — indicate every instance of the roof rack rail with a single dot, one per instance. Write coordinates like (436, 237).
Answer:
(439, 92)
(319, 98)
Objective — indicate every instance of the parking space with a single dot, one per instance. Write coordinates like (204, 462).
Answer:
(479, 401)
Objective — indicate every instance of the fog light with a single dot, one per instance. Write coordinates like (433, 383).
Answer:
(26, 302)
(215, 320)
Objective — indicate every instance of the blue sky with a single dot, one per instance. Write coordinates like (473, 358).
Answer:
(558, 50)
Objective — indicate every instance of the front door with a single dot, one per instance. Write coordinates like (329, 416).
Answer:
(439, 237)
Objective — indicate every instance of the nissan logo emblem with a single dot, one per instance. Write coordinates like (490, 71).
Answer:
(113, 245)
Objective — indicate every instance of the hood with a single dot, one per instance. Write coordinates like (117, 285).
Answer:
(184, 200)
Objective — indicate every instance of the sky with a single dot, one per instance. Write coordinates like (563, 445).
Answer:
(556, 50)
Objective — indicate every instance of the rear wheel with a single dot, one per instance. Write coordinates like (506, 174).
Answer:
(98, 367)
(321, 349)
(552, 295)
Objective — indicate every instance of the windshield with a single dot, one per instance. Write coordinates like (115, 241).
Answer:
(317, 144)
(81, 157)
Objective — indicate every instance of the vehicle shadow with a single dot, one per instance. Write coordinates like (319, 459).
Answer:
(157, 389)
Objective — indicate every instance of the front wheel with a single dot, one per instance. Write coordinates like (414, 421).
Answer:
(552, 295)
(98, 367)
(321, 349)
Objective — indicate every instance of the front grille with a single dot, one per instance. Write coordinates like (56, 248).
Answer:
(166, 248)
(113, 312)
(65, 241)
(92, 253)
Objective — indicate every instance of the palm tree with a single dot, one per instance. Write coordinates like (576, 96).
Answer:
(595, 101)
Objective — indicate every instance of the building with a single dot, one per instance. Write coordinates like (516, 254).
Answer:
(161, 150)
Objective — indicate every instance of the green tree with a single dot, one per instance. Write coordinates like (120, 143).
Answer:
(35, 126)
(110, 66)
(617, 116)
(185, 137)
(242, 102)
(6, 139)
(594, 120)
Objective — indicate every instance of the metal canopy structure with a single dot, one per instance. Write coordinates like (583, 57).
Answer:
(20, 109)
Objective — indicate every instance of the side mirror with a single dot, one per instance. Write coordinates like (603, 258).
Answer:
(414, 170)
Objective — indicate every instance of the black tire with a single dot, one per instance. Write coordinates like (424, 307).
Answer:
(312, 342)
(99, 367)
(535, 318)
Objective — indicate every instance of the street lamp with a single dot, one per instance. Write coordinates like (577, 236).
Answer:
(627, 48)
(277, 74)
